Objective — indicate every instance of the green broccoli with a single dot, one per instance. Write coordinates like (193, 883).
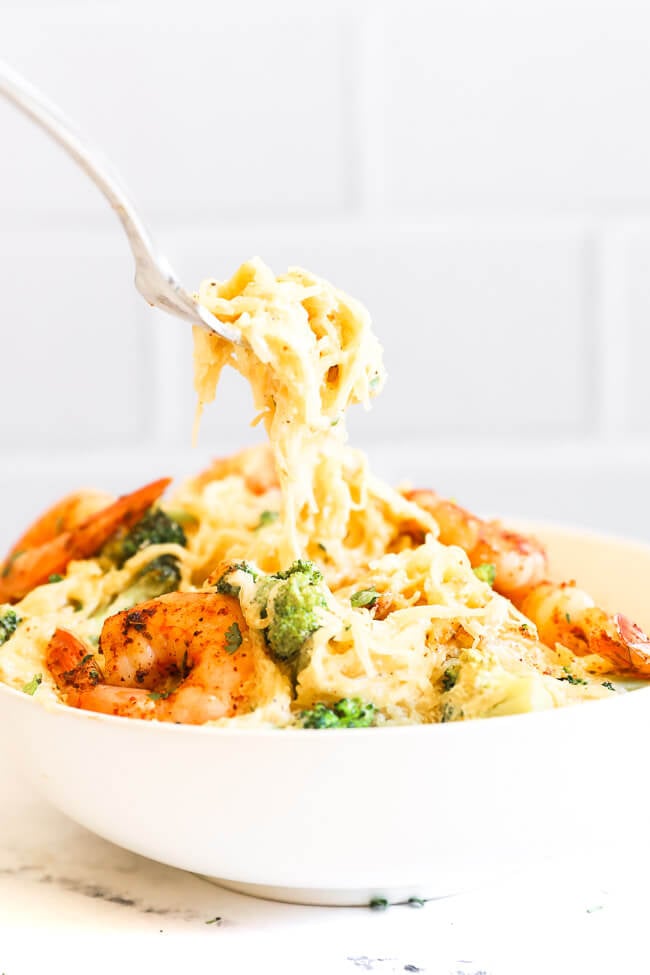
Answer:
(292, 607)
(225, 586)
(155, 528)
(158, 577)
(349, 712)
(9, 620)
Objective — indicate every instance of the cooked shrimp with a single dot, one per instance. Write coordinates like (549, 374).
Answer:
(184, 657)
(49, 553)
(565, 614)
(561, 612)
(254, 464)
(520, 561)
(63, 516)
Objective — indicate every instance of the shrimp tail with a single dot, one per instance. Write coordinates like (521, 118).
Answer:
(566, 615)
(24, 570)
(72, 664)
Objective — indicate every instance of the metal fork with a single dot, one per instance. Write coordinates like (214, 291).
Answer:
(154, 277)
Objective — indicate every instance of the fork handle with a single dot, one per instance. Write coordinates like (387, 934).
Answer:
(45, 113)
(154, 278)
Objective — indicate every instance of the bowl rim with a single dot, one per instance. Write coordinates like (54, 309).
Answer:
(405, 730)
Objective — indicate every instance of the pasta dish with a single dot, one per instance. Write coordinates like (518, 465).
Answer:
(286, 586)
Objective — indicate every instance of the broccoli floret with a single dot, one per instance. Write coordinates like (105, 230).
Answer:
(292, 606)
(301, 567)
(225, 586)
(158, 577)
(349, 712)
(156, 528)
(9, 620)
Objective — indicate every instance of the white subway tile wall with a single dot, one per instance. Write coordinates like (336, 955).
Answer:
(478, 174)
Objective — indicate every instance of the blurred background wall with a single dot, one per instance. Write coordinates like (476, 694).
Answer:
(477, 173)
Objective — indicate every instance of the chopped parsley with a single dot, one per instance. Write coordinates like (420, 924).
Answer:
(486, 572)
(567, 617)
(608, 684)
(8, 624)
(55, 577)
(32, 686)
(364, 598)
(159, 695)
(214, 920)
(267, 518)
(233, 638)
(570, 679)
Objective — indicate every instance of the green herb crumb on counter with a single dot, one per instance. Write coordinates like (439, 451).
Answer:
(349, 712)
(9, 621)
(378, 904)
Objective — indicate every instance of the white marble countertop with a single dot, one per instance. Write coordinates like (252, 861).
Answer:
(70, 901)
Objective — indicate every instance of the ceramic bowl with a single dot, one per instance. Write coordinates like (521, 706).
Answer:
(342, 817)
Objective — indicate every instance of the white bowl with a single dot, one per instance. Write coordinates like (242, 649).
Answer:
(341, 817)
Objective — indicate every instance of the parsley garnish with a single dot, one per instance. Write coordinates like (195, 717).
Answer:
(267, 518)
(567, 617)
(570, 679)
(233, 638)
(32, 686)
(55, 577)
(159, 695)
(486, 572)
(364, 597)
(214, 920)
(608, 684)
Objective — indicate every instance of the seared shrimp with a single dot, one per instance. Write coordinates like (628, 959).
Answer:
(184, 657)
(520, 562)
(63, 516)
(54, 541)
(254, 464)
(567, 615)
(561, 612)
